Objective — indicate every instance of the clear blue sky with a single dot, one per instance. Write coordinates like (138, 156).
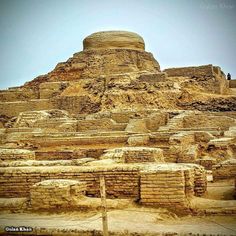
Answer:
(37, 34)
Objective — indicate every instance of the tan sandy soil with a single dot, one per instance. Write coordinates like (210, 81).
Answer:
(133, 219)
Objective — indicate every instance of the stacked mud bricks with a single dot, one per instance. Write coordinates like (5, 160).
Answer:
(163, 188)
(224, 170)
(16, 154)
(172, 187)
(121, 181)
(55, 194)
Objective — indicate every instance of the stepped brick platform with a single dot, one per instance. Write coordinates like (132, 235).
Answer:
(135, 155)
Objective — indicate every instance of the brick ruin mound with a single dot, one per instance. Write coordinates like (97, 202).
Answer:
(115, 72)
(163, 139)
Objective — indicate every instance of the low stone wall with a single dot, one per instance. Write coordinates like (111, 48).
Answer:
(194, 71)
(155, 120)
(70, 138)
(61, 125)
(153, 78)
(51, 89)
(28, 119)
(13, 204)
(163, 185)
(231, 114)
(13, 95)
(104, 124)
(54, 155)
(207, 163)
(54, 194)
(200, 179)
(186, 154)
(120, 116)
(154, 117)
(45, 141)
(14, 136)
(22, 106)
(122, 181)
(231, 132)
(76, 104)
(52, 120)
(208, 77)
(123, 116)
(134, 155)
(224, 170)
(220, 80)
(149, 124)
(183, 147)
(182, 138)
(69, 154)
(161, 137)
(16, 154)
(138, 140)
(205, 120)
(175, 122)
(2, 135)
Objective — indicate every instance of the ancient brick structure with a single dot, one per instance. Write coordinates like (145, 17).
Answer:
(158, 137)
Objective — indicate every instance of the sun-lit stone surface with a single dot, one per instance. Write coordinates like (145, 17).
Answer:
(114, 39)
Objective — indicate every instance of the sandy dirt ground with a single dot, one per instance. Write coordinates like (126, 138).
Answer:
(140, 220)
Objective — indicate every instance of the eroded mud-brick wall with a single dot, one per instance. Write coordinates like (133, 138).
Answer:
(121, 182)
(53, 194)
(224, 170)
(209, 77)
(21, 106)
